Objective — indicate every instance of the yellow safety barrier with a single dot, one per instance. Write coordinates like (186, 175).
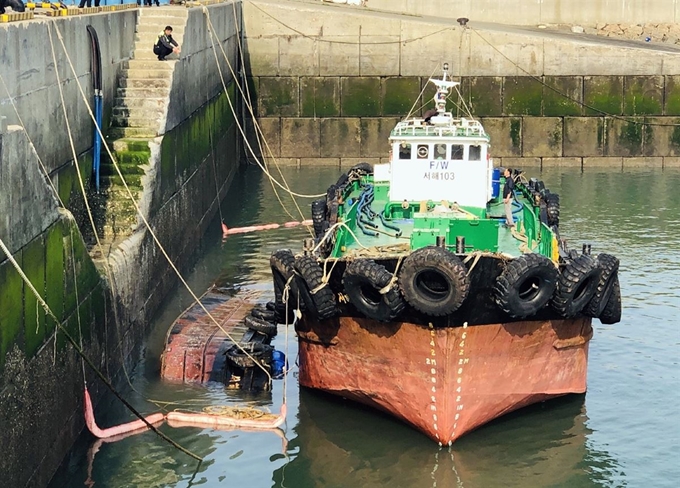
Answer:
(58, 10)
(14, 17)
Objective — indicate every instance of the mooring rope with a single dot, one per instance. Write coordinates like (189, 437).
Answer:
(140, 213)
(258, 131)
(82, 354)
(238, 124)
(100, 247)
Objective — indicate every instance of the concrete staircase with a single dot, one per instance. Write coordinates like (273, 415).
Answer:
(139, 113)
(141, 100)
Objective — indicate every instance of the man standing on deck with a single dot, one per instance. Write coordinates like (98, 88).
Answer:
(508, 194)
(165, 44)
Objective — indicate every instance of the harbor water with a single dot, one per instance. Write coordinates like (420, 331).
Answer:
(625, 432)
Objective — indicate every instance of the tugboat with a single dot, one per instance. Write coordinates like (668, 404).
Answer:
(419, 299)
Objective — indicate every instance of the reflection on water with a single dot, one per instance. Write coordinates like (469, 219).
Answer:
(544, 445)
(629, 437)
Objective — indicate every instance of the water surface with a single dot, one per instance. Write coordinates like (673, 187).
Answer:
(624, 432)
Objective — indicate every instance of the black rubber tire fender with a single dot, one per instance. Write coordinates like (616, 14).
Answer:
(609, 266)
(263, 314)
(612, 310)
(260, 325)
(526, 285)
(434, 281)
(576, 285)
(363, 280)
(260, 352)
(282, 263)
(342, 181)
(322, 304)
(318, 216)
(361, 169)
(553, 208)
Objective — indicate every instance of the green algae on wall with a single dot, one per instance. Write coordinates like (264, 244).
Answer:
(54, 274)
(672, 95)
(186, 146)
(523, 95)
(34, 314)
(360, 96)
(399, 94)
(643, 95)
(55, 263)
(278, 96)
(319, 97)
(11, 312)
(603, 95)
(484, 94)
(562, 96)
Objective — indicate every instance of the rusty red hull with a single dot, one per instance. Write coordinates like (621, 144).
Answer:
(447, 381)
(195, 343)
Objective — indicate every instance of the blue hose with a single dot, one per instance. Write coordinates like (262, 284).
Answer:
(96, 157)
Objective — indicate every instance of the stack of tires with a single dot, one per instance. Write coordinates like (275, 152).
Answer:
(249, 363)
(581, 285)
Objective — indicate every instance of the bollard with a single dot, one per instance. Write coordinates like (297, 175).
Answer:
(460, 244)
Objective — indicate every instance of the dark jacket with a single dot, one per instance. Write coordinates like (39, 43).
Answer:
(166, 41)
(509, 188)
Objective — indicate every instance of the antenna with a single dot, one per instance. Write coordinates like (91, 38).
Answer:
(443, 87)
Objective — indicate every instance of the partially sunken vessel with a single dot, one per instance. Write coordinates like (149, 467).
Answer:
(418, 299)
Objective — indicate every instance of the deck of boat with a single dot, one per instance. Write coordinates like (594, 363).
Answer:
(510, 241)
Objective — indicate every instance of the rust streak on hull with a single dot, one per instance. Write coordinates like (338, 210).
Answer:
(447, 381)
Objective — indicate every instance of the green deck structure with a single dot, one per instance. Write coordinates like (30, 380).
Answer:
(482, 229)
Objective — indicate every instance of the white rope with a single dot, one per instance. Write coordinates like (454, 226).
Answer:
(141, 215)
(385, 289)
(241, 130)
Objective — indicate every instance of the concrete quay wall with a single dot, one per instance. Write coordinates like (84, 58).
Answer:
(331, 82)
(28, 69)
(533, 12)
(188, 172)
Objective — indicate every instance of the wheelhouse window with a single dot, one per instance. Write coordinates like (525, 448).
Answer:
(457, 151)
(440, 151)
(475, 153)
(404, 151)
(423, 151)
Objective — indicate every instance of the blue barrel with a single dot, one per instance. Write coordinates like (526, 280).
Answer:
(495, 182)
(278, 364)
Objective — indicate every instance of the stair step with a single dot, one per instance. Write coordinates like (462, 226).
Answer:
(140, 122)
(132, 181)
(131, 144)
(124, 132)
(146, 55)
(160, 83)
(147, 39)
(156, 28)
(145, 64)
(110, 170)
(142, 92)
(141, 113)
(157, 74)
(140, 102)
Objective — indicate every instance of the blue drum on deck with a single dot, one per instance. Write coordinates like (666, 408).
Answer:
(495, 182)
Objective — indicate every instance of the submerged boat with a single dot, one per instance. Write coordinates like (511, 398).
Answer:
(420, 299)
